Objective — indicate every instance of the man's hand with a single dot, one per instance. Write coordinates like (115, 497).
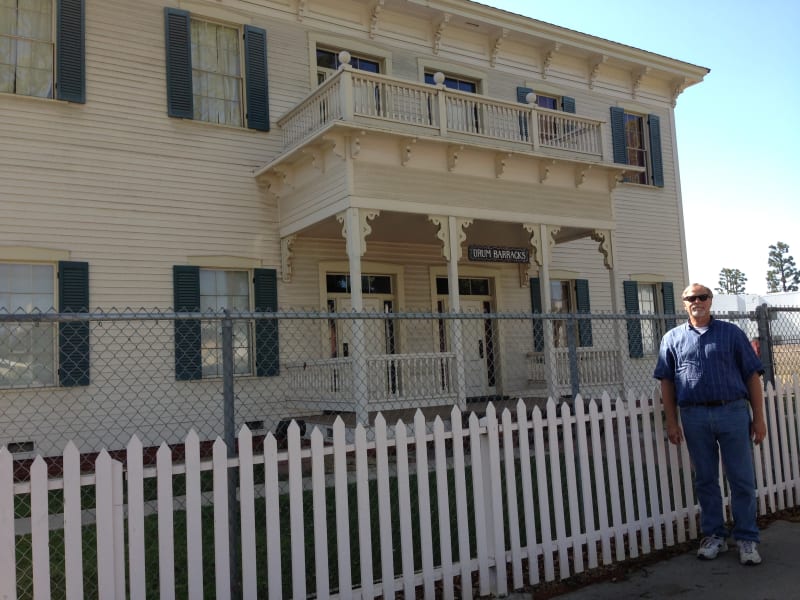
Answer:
(758, 430)
(674, 433)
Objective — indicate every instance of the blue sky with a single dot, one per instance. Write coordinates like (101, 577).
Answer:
(735, 130)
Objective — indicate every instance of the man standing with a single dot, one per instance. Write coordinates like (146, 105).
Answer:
(709, 371)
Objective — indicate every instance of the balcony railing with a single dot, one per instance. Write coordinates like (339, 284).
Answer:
(415, 108)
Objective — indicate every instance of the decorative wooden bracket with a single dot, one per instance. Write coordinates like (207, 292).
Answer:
(677, 88)
(364, 228)
(373, 20)
(594, 67)
(498, 41)
(581, 171)
(500, 162)
(453, 150)
(604, 237)
(636, 79)
(544, 169)
(302, 9)
(549, 53)
(405, 150)
(614, 179)
(443, 233)
(437, 36)
(286, 257)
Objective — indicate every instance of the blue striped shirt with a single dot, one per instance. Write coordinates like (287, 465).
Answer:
(707, 367)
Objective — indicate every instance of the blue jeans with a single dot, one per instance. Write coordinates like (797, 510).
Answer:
(711, 431)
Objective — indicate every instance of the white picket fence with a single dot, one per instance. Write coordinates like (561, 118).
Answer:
(519, 498)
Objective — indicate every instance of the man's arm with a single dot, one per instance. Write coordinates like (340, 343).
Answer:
(758, 428)
(674, 432)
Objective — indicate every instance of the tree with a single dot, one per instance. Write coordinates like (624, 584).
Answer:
(782, 275)
(731, 281)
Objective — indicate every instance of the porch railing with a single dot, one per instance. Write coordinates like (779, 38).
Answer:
(390, 378)
(596, 367)
(359, 97)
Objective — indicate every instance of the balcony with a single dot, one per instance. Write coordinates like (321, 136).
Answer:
(360, 99)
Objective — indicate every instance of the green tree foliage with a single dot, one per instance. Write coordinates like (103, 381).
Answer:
(731, 281)
(782, 275)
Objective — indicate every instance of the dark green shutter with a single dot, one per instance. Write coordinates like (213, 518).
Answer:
(536, 307)
(618, 143)
(255, 68)
(631, 293)
(668, 296)
(656, 164)
(265, 288)
(522, 93)
(178, 43)
(71, 51)
(567, 104)
(186, 298)
(584, 308)
(73, 337)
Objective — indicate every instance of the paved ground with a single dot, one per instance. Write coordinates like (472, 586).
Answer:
(687, 578)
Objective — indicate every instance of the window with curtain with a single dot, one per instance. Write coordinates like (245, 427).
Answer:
(27, 350)
(221, 290)
(635, 146)
(216, 73)
(27, 47)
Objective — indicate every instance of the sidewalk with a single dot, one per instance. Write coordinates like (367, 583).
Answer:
(687, 577)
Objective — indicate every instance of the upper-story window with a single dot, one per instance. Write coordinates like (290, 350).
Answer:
(328, 63)
(455, 83)
(216, 72)
(41, 49)
(636, 140)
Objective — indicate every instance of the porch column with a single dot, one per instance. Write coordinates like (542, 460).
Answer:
(606, 248)
(550, 358)
(451, 233)
(355, 230)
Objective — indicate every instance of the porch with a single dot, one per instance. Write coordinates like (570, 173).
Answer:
(406, 382)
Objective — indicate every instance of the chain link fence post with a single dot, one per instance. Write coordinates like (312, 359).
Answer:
(572, 350)
(765, 343)
(228, 400)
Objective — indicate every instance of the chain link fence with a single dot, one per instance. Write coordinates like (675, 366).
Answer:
(98, 379)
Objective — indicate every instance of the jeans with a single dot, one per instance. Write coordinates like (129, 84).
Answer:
(711, 431)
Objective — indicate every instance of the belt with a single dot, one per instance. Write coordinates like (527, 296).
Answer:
(714, 402)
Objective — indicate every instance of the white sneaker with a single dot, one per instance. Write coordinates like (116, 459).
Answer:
(748, 552)
(710, 547)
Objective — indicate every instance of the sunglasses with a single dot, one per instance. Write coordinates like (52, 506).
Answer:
(692, 299)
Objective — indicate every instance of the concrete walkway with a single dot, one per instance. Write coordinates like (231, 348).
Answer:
(688, 578)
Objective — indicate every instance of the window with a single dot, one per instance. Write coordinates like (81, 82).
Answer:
(41, 354)
(27, 350)
(42, 48)
(328, 63)
(569, 296)
(455, 83)
(636, 140)
(644, 335)
(204, 71)
(198, 344)
(220, 290)
(216, 73)
(550, 128)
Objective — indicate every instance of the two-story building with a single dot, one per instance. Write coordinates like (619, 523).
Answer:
(264, 155)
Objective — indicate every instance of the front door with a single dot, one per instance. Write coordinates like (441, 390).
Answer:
(477, 350)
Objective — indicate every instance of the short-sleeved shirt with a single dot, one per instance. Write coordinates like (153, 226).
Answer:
(707, 367)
